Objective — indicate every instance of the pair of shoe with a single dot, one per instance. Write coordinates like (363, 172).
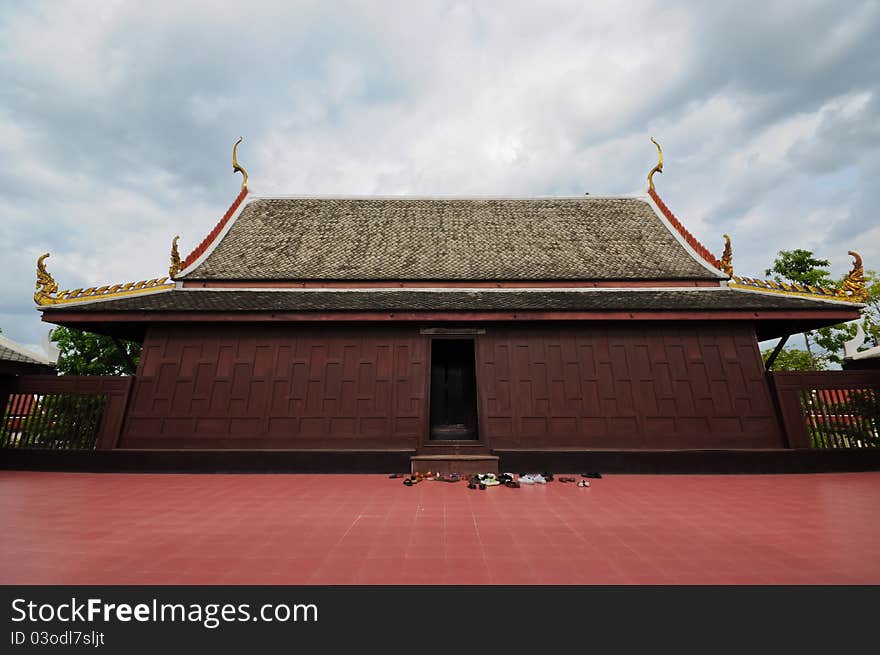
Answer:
(415, 478)
(583, 483)
(566, 479)
(532, 478)
(475, 482)
(591, 475)
(507, 480)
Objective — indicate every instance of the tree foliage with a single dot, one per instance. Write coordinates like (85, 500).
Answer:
(801, 267)
(85, 353)
(831, 338)
(793, 359)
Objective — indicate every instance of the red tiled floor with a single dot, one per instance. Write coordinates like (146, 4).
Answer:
(70, 528)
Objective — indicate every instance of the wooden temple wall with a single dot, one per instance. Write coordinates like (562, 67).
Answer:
(630, 385)
(540, 386)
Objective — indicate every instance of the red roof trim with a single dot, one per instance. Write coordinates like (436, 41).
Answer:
(208, 240)
(691, 240)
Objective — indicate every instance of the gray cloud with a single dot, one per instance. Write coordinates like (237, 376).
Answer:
(116, 119)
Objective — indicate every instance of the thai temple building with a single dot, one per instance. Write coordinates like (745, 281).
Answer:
(377, 333)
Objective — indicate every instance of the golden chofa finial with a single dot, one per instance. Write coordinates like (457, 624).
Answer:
(727, 257)
(658, 168)
(236, 167)
(174, 269)
(46, 286)
(854, 282)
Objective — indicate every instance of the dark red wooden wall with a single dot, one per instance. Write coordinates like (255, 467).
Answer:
(631, 385)
(278, 387)
(540, 386)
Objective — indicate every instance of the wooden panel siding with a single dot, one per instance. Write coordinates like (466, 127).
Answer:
(540, 386)
(278, 387)
(625, 386)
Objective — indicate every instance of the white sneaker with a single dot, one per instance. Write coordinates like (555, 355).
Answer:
(526, 479)
(539, 479)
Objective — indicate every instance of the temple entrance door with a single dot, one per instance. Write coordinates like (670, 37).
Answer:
(453, 390)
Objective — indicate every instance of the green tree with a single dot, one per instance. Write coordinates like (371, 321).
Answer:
(801, 267)
(831, 338)
(793, 359)
(85, 353)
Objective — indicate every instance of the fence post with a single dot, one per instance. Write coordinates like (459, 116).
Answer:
(790, 411)
(117, 391)
(6, 385)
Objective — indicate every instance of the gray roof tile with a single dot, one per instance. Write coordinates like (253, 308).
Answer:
(198, 300)
(449, 239)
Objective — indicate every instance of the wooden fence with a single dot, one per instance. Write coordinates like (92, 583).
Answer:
(68, 412)
(829, 409)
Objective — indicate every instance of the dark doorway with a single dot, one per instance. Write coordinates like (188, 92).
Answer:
(453, 390)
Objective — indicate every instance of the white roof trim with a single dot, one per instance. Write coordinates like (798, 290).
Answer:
(201, 258)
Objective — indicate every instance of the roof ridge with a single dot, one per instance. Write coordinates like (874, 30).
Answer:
(691, 240)
(47, 292)
(801, 290)
(208, 240)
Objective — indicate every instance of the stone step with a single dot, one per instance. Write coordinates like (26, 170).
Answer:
(462, 464)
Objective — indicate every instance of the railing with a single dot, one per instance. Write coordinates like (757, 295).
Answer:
(62, 413)
(829, 409)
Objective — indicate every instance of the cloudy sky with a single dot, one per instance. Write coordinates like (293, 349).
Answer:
(117, 118)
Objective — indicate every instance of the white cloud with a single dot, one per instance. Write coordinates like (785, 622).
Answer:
(118, 118)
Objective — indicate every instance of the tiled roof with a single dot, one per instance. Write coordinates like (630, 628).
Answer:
(691, 240)
(446, 239)
(208, 240)
(11, 351)
(381, 300)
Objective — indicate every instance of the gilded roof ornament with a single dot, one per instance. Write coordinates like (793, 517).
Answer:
(727, 257)
(658, 168)
(174, 269)
(47, 292)
(46, 285)
(854, 283)
(236, 167)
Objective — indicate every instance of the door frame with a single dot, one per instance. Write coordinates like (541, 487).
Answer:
(453, 446)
